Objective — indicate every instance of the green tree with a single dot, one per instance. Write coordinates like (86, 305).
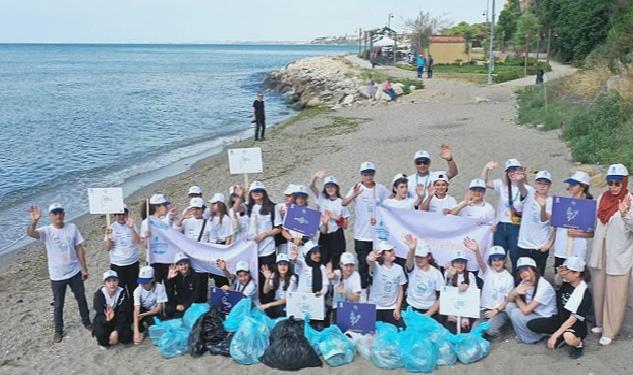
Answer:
(527, 26)
(507, 23)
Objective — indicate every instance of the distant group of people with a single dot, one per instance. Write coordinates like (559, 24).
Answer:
(424, 62)
(510, 274)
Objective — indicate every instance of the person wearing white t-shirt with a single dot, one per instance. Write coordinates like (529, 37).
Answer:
(366, 195)
(241, 281)
(237, 213)
(281, 210)
(220, 228)
(149, 302)
(497, 284)
(332, 237)
(312, 274)
(536, 235)
(533, 298)
(263, 226)
(122, 240)
(437, 197)
(66, 263)
(113, 310)
(474, 205)
(573, 242)
(423, 174)
(511, 195)
(457, 275)
(400, 192)
(282, 281)
(160, 209)
(346, 282)
(300, 198)
(387, 288)
(425, 280)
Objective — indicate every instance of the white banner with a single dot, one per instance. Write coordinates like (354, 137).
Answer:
(444, 233)
(203, 256)
(463, 304)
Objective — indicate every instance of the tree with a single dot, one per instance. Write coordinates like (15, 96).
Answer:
(620, 43)
(507, 23)
(527, 26)
(422, 28)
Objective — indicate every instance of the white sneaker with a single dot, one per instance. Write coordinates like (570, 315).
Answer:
(102, 347)
(604, 340)
(596, 330)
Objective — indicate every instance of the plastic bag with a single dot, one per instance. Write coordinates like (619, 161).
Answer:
(207, 332)
(446, 356)
(159, 327)
(194, 312)
(249, 342)
(336, 348)
(237, 315)
(289, 350)
(362, 343)
(418, 352)
(311, 334)
(173, 343)
(471, 347)
(432, 329)
(385, 350)
(222, 348)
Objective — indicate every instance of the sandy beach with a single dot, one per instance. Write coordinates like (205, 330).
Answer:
(477, 122)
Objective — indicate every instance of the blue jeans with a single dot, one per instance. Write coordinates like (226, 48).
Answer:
(59, 295)
(507, 236)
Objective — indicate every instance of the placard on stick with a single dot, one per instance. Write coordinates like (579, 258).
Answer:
(303, 220)
(461, 304)
(105, 201)
(245, 160)
(299, 304)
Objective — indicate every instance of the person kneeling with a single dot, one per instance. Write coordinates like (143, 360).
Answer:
(149, 301)
(574, 304)
(242, 281)
(183, 287)
(111, 323)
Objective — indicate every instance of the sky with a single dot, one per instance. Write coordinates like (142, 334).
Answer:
(200, 21)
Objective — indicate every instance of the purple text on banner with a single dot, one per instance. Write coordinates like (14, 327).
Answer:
(303, 220)
(225, 299)
(356, 317)
(574, 213)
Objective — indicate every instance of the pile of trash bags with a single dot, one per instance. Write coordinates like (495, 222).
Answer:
(335, 348)
(251, 329)
(172, 336)
(208, 335)
(289, 348)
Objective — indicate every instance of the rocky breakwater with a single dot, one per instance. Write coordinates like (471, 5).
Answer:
(322, 81)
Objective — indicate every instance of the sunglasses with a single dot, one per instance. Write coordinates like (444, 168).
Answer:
(55, 213)
(614, 183)
(513, 169)
(422, 162)
(481, 190)
(368, 173)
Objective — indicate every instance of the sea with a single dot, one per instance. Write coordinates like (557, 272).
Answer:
(80, 116)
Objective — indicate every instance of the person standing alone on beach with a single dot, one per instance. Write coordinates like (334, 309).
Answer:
(259, 116)
(66, 263)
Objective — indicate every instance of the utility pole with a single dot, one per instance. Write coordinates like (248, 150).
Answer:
(389, 20)
(491, 55)
(360, 39)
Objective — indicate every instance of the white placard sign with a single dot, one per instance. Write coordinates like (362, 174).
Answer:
(245, 160)
(463, 304)
(105, 200)
(300, 304)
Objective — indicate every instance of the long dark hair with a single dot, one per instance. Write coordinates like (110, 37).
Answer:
(223, 211)
(286, 278)
(152, 209)
(267, 204)
(455, 277)
(327, 196)
(537, 275)
(585, 189)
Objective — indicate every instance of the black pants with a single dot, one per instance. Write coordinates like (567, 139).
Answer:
(550, 325)
(171, 312)
(102, 330)
(387, 317)
(429, 73)
(276, 312)
(128, 275)
(270, 261)
(539, 257)
(76, 284)
(203, 292)
(160, 272)
(363, 248)
(332, 246)
(260, 125)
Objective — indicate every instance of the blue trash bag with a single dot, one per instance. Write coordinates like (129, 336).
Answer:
(159, 327)
(336, 348)
(311, 334)
(194, 312)
(237, 315)
(385, 350)
(432, 329)
(415, 320)
(419, 354)
(261, 317)
(446, 356)
(362, 343)
(471, 347)
(249, 342)
(173, 343)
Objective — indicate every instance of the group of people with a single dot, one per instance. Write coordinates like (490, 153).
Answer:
(510, 274)
(424, 62)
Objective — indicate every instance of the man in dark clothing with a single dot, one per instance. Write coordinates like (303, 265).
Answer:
(113, 312)
(183, 287)
(259, 116)
(429, 68)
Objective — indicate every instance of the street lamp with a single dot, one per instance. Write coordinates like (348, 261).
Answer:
(389, 20)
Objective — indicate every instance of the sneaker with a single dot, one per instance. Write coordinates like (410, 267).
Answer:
(604, 341)
(102, 347)
(88, 326)
(596, 330)
(575, 353)
(57, 338)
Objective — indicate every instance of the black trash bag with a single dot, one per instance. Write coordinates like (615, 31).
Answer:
(222, 347)
(208, 330)
(289, 350)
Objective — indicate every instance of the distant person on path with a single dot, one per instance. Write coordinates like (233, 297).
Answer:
(259, 116)
(429, 68)
(66, 263)
(540, 76)
(420, 62)
(371, 87)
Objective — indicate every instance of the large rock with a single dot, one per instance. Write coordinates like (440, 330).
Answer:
(349, 99)
(314, 102)
(398, 88)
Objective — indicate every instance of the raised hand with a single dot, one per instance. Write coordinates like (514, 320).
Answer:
(266, 271)
(294, 252)
(238, 190)
(625, 205)
(173, 271)
(374, 255)
(357, 190)
(468, 197)
(109, 313)
(221, 264)
(419, 190)
(471, 244)
(411, 241)
(324, 219)
(431, 190)
(492, 165)
(320, 174)
(450, 270)
(35, 212)
(445, 152)
(130, 222)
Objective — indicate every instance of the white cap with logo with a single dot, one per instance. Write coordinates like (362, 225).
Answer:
(310, 246)
(57, 207)
(617, 170)
(496, 251)
(282, 257)
(290, 189)
(109, 274)
(579, 177)
(348, 258)
(301, 189)
(158, 199)
(217, 197)
(257, 185)
(195, 190)
(398, 177)
(439, 176)
(525, 262)
(180, 256)
(384, 246)
(145, 274)
(477, 183)
(543, 175)
(196, 203)
(367, 167)
(330, 180)
(575, 264)
(242, 266)
(422, 249)
(458, 255)
(512, 163)
(422, 154)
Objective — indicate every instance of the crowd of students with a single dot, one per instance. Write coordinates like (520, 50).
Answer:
(510, 277)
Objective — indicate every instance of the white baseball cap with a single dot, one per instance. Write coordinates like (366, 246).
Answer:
(217, 197)
(617, 172)
(496, 251)
(422, 249)
(458, 255)
(477, 183)
(512, 163)
(422, 154)
(242, 266)
(384, 245)
(330, 180)
(310, 246)
(282, 257)
(301, 189)
(579, 177)
(439, 176)
(145, 275)
(290, 189)
(367, 166)
(397, 177)
(158, 199)
(575, 264)
(348, 258)
(196, 202)
(57, 207)
(180, 256)
(195, 190)
(257, 185)
(525, 261)
(543, 175)
(108, 274)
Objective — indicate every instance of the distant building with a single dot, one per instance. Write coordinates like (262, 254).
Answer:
(448, 49)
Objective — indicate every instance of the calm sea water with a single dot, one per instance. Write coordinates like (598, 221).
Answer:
(79, 116)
